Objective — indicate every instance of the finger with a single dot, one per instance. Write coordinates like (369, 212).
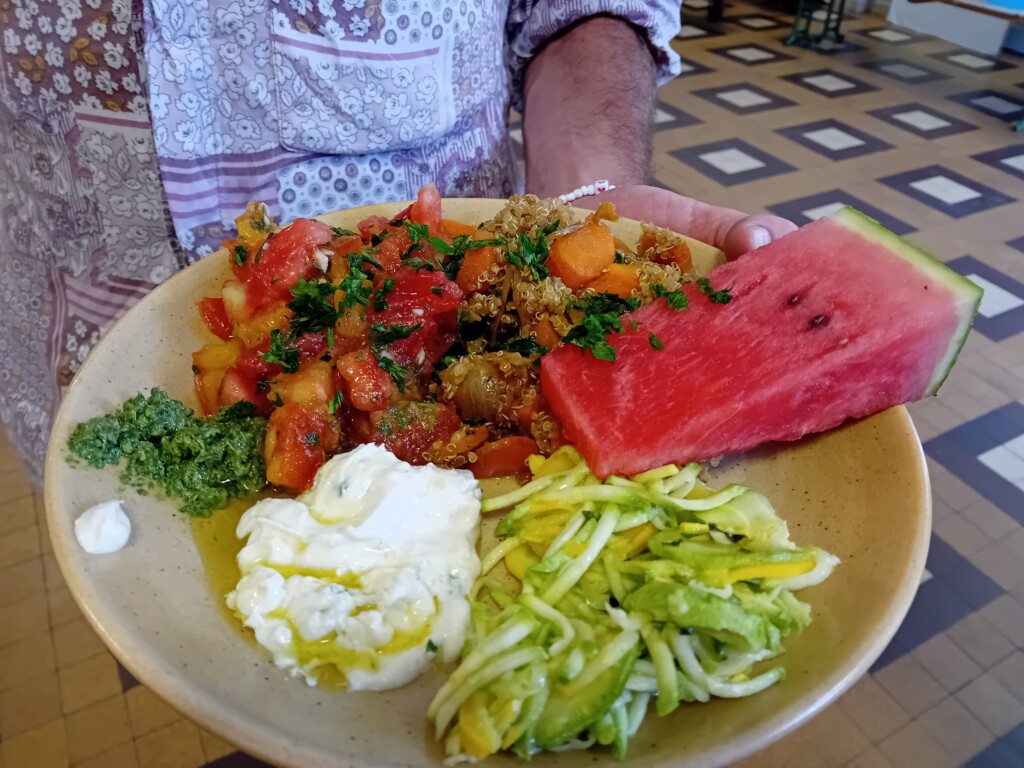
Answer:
(665, 208)
(752, 232)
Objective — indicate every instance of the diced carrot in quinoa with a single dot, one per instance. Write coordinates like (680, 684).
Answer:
(547, 336)
(477, 263)
(582, 255)
(678, 254)
(620, 279)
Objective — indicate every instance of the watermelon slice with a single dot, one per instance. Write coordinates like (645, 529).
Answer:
(838, 320)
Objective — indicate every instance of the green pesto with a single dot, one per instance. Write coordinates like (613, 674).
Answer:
(164, 447)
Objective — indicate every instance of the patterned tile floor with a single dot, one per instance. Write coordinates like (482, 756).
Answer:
(905, 127)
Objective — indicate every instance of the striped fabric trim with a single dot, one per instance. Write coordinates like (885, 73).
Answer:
(114, 119)
(103, 302)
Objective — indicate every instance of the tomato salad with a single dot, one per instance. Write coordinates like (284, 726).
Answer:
(419, 333)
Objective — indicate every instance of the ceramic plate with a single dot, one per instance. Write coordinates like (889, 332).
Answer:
(860, 491)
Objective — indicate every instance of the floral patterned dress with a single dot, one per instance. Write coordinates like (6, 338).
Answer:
(132, 132)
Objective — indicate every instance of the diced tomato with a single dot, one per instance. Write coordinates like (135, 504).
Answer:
(503, 457)
(289, 255)
(313, 386)
(408, 429)
(215, 316)
(236, 387)
(428, 299)
(311, 345)
(367, 387)
(427, 208)
(252, 365)
(430, 292)
(373, 225)
(391, 250)
(350, 331)
(295, 447)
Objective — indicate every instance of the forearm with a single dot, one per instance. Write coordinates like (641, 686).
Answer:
(589, 107)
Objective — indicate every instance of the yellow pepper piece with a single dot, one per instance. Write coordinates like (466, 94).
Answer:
(565, 458)
(633, 541)
(541, 529)
(574, 548)
(771, 571)
(476, 732)
(691, 529)
(519, 559)
(253, 225)
(535, 462)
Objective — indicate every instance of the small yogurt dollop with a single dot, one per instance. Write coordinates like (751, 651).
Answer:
(365, 575)
(103, 529)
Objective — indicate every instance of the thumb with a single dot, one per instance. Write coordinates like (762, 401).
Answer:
(752, 232)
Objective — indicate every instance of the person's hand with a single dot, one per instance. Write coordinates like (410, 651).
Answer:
(732, 231)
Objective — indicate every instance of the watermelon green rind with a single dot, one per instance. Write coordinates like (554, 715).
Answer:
(967, 293)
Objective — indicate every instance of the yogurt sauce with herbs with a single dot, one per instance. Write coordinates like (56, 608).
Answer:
(363, 579)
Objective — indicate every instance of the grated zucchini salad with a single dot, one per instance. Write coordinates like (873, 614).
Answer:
(655, 589)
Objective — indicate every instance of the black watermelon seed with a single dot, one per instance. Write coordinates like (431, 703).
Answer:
(794, 300)
(819, 321)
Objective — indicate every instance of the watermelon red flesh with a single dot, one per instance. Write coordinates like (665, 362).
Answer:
(838, 320)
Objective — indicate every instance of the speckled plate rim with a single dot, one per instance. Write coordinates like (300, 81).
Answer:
(168, 682)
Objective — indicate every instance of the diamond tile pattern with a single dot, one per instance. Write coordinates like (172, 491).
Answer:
(731, 162)
(923, 121)
(743, 98)
(831, 83)
(997, 104)
(927, 155)
(835, 140)
(946, 191)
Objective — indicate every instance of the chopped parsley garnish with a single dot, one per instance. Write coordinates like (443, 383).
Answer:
(336, 401)
(526, 345)
(656, 343)
(456, 252)
(602, 315)
(380, 298)
(339, 232)
(354, 283)
(382, 335)
(281, 352)
(241, 254)
(379, 237)
(398, 373)
(419, 264)
(675, 299)
(437, 290)
(431, 646)
(312, 307)
(416, 231)
(532, 254)
(718, 297)
(330, 343)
